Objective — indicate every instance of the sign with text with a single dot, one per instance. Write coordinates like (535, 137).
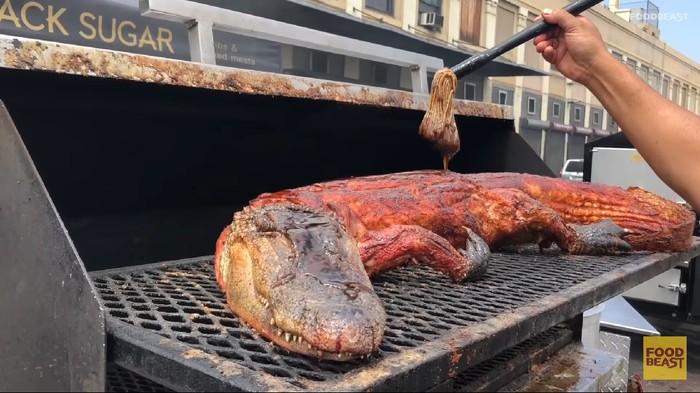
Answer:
(119, 25)
(234, 50)
(665, 358)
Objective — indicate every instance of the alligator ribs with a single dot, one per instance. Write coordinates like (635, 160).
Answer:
(296, 264)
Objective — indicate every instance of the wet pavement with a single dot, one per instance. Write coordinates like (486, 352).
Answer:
(670, 328)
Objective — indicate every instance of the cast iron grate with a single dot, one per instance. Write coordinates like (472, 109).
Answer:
(121, 380)
(181, 301)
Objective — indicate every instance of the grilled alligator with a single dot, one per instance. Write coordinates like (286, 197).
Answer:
(296, 264)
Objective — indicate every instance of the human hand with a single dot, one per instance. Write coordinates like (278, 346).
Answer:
(574, 46)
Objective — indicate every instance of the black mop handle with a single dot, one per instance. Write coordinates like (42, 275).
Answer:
(476, 61)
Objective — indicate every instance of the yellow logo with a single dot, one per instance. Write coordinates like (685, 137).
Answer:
(665, 358)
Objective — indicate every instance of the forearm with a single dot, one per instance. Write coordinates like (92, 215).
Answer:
(666, 135)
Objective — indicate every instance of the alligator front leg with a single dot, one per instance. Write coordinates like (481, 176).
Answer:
(511, 217)
(392, 247)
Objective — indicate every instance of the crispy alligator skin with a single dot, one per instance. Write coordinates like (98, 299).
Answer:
(296, 264)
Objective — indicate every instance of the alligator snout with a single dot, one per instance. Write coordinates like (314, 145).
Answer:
(345, 321)
(296, 275)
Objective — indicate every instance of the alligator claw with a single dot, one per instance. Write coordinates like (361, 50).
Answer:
(601, 238)
(478, 254)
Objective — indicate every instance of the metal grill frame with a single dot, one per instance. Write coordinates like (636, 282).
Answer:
(419, 368)
(119, 379)
(495, 373)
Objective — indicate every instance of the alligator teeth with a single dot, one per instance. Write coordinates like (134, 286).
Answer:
(340, 356)
(300, 340)
(279, 332)
(287, 336)
(272, 321)
(309, 345)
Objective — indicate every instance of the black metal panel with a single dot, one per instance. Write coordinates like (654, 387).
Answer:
(533, 138)
(554, 150)
(694, 288)
(169, 321)
(52, 334)
(147, 172)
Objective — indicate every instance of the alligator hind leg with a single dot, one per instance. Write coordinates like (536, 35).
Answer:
(395, 246)
(509, 217)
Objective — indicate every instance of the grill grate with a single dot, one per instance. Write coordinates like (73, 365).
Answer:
(181, 301)
(120, 380)
(496, 372)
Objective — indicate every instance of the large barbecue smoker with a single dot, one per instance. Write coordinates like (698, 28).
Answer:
(119, 170)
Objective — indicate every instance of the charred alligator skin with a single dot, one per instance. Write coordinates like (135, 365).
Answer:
(296, 264)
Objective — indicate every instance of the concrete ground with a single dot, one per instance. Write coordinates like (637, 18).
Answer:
(668, 328)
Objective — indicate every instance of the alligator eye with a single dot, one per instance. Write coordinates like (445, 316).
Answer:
(264, 223)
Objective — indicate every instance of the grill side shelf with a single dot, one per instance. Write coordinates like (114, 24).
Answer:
(180, 367)
(169, 322)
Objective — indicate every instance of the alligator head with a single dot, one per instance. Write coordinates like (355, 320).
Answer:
(295, 275)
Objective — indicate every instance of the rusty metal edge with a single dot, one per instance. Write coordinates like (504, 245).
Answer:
(29, 54)
(153, 359)
(464, 348)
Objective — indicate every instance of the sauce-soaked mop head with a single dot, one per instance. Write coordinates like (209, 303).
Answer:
(438, 125)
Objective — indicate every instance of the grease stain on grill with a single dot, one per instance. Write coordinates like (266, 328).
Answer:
(421, 306)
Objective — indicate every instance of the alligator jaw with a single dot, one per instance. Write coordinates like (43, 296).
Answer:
(296, 277)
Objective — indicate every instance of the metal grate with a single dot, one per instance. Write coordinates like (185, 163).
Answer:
(120, 380)
(180, 301)
(496, 372)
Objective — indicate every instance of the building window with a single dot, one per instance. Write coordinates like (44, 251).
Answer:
(612, 125)
(380, 73)
(505, 23)
(469, 91)
(656, 80)
(385, 6)
(319, 62)
(577, 114)
(596, 118)
(531, 106)
(632, 65)
(644, 73)
(692, 100)
(555, 109)
(429, 6)
(502, 97)
(664, 90)
(470, 21)
(674, 92)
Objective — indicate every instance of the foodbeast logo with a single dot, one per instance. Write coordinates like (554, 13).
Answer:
(650, 16)
(665, 358)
